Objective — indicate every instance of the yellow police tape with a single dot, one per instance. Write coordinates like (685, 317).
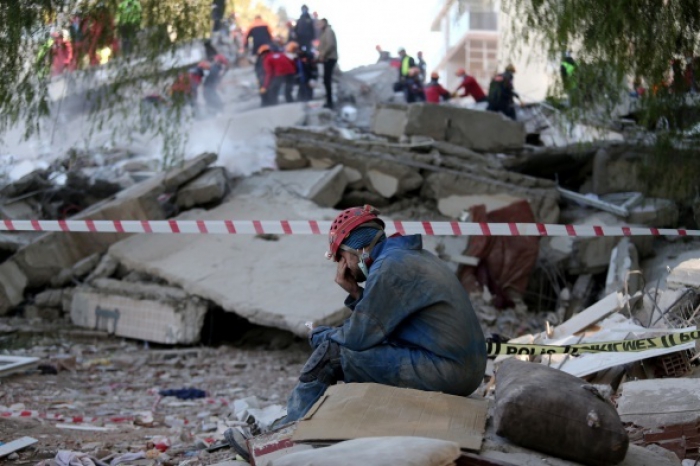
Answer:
(620, 346)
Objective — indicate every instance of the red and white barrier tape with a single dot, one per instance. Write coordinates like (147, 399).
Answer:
(312, 227)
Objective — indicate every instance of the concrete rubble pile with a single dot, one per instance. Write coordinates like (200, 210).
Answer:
(100, 313)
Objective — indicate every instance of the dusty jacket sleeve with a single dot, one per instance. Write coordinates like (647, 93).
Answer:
(387, 300)
(269, 72)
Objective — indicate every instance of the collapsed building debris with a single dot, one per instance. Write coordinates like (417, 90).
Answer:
(439, 171)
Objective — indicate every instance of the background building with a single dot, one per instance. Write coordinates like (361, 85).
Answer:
(475, 37)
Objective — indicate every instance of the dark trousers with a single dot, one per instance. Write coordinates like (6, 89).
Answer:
(328, 67)
(288, 88)
(306, 92)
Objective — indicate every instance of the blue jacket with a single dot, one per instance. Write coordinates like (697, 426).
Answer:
(413, 325)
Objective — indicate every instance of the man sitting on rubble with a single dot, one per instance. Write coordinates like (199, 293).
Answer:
(412, 324)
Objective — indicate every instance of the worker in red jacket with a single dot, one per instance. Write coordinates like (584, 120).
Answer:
(469, 86)
(434, 92)
(279, 69)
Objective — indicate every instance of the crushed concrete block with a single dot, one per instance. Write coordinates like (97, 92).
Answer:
(324, 187)
(191, 168)
(473, 129)
(592, 254)
(686, 274)
(660, 402)
(144, 312)
(207, 188)
(390, 120)
(203, 265)
(62, 278)
(106, 268)
(328, 190)
(85, 266)
(12, 285)
(49, 298)
(652, 212)
(624, 259)
(289, 158)
(358, 197)
(392, 180)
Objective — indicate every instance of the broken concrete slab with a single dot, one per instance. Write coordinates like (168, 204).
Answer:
(390, 180)
(12, 285)
(324, 187)
(105, 269)
(600, 310)
(189, 169)
(444, 187)
(474, 129)
(660, 402)
(390, 120)
(237, 272)
(40, 261)
(685, 274)
(288, 158)
(49, 298)
(147, 312)
(209, 187)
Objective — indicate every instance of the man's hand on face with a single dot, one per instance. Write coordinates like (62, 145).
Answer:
(345, 279)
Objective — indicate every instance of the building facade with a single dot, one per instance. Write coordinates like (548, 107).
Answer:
(474, 38)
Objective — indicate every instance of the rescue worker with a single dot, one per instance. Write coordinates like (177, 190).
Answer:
(413, 86)
(502, 93)
(328, 55)
(469, 87)
(279, 70)
(434, 92)
(128, 23)
(216, 69)
(307, 71)
(422, 65)
(259, 33)
(407, 62)
(412, 325)
(263, 51)
(566, 70)
(304, 31)
(384, 56)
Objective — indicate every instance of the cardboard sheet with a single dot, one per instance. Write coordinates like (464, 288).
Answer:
(357, 410)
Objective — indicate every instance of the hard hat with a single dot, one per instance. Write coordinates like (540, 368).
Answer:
(510, 68)
(434, 75)
(263, 48)
(402, 50)
(460, 72)
(221, 59)
(346, 222)
(292, 47)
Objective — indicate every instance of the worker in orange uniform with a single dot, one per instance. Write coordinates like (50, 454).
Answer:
(469, 87)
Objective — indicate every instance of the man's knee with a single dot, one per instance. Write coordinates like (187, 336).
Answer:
(324, 365)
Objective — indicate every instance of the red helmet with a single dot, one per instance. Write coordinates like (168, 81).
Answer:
(347, 221)
(460, 72)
